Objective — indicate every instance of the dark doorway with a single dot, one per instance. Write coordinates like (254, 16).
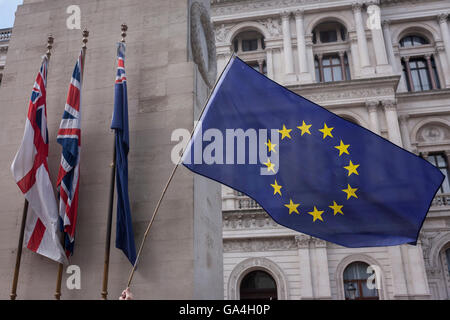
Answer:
(258, 285)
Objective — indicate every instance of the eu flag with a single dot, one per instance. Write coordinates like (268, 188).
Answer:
(318, 174)
(124, 226)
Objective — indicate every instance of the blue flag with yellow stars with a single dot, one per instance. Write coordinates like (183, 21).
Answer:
(309, 169)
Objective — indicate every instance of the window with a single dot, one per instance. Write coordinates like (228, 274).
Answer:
(355, 277)
(439, 160)
(421, 74)
(250, 45)
(413, 41)
(248, 41)
(332, 68)
(328, 32)
(258, 285)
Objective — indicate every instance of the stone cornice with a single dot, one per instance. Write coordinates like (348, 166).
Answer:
(344, 93)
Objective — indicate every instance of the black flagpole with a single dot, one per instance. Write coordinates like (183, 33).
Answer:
(110, 206)
(13, 294)
(61, 266)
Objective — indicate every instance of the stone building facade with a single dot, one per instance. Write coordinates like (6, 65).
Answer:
(5, 35)
(384, 65)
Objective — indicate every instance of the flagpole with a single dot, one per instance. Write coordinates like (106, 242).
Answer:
(124, 29)
(61, 266)
(13, 294)
(155, 212)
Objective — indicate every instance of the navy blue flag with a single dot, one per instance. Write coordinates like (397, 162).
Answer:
(318, 174)
(124, 227)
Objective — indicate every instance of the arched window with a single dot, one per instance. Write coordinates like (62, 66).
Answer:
(250, 47)
(439, 161)
(355, 283)
(413, 41)
(247, 41)
(327, 32)
(419, 65)
(258, 285)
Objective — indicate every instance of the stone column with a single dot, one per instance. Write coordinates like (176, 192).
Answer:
(417, 275)
(319, 57)
(390, 111)
(261, 66)
(362, 41)
(305, 74)
(372, 107)
(383, 66)
(355, 54)
(310, 57)
(405, 132)
(442, 20)
(303, 242)
(400, 288)
(269, 63)
(408, 73)
(431, 71)
(341, 59)
(287, 43)
(321, 276)
(440, 52)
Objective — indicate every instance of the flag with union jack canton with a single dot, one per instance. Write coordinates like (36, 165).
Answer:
(124, 224)
(30, 170)
(69, 137)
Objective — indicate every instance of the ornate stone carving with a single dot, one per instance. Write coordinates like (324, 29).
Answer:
(302, 241)
(389, 105)
(356, 6)
(442, 17)
(318, 243)
(202, 33)
(222, 32)
(255, 244)
(272, 25)
(372, 105)
(340, 94)
(285, 15)
(433, 132)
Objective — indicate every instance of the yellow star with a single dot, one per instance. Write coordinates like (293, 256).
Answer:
(276, 188)
(316, 214)
(271, 146)
(343, 148)
(351, 192)
(326, 131)
(285, 132)
(305, 128)
(352, 168)
(336, 208)
(270, 166)
(292, 206)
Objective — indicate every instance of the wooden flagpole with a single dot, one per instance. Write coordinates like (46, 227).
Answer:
(60, 265)
(155, 212)
(124, 29)
(13, 294)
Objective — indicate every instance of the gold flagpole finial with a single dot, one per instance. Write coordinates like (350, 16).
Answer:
(49, 46)
(124, 32)
(85, 38)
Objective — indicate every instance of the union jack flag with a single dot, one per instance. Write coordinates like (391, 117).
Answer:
(69, 137)
(30, 170)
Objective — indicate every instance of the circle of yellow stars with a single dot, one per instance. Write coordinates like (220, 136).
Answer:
(352, 169)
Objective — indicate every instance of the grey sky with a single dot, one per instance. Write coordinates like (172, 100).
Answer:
(7, 12)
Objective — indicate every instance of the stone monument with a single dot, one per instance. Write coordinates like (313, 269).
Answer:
(171, 69)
